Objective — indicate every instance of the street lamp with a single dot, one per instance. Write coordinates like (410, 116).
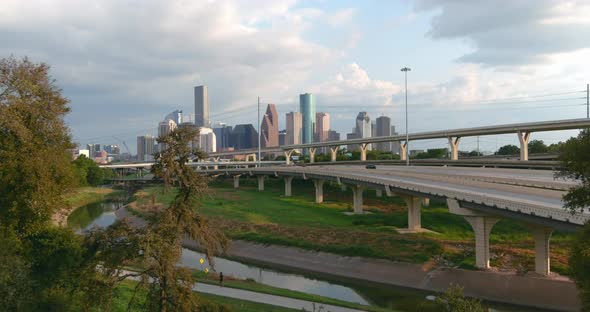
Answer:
(258, 132)
(406, 70)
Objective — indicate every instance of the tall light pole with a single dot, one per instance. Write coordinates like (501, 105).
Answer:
(406, 70)
(258, 131)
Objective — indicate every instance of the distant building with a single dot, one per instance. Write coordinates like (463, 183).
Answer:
(93, 149)
(78, 152)
(146, 147)
(194, 144)
(282, 137)
(112, 149)
(383, 128)
(202, 107)
(307, 110)
(294, 128)
(363, 126)
(269, 128)
(222, 135)
(350, 136)
(322, 126)
(244, 136)
(164, 128)
(175, 116)
(333, 135)
(207, 141)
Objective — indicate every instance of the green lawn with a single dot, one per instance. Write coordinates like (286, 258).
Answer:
(86, 195)
(269, 217)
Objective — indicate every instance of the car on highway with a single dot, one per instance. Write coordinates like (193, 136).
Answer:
(371, 166)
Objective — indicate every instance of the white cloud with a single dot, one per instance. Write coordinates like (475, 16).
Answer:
(340, 17)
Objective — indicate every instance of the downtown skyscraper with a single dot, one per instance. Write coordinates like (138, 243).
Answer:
(269, 127)
(202, 107)
(307, 109)
(294, 127)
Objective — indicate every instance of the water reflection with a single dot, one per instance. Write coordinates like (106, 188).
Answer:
(101, 214)
(273, 278)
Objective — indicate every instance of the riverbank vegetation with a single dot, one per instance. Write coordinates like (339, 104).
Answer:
(270, 218)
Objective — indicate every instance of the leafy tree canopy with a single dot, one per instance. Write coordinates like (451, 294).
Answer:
(508, 150)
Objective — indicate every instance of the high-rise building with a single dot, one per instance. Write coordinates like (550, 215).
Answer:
(207, 141)
(333, 135)
(93, 149)
(269, 127)
(363, 126)
(112, 149)
(383, 128)
(307, 110)
(282, 137)
(202, 107)
(146, 147)
(222, 134)
(294, 128)
(175, 116)
(322, 125)
(244, 136)
(164, 128)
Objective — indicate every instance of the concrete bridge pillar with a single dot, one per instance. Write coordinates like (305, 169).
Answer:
(319, 190)
(425, 202)
(260, 183)
(236, 181)
(216, 159)
(482, 225)
(523, 138)
(312, 151)
(414, 217)
(357, 198)
(288, 156)
(333, 153)
(379, 192)
(454, 143)
(542, 236)
(364, 148)
(403, 150)
(288, 181)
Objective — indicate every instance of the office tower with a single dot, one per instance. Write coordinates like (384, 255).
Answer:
(146, 147)
(222, 135)
(202, 107)
(322, 124)
(307, 110)
(112, 149)
(395, 146)
(383, 128)
(294, 128)
(164, 128)
(350, 136)
(333, 135)
(282, 137)
(269, 127)
(244, 136)
(93, 149)
(363, 126)
(175, 116)
(207, 142)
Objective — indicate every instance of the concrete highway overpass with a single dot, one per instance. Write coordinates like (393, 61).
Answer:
(481, 195)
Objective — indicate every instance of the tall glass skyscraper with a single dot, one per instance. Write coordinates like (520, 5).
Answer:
(307, 109)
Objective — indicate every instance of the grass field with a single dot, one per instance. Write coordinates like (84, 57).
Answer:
(269, 217)
(86, 195)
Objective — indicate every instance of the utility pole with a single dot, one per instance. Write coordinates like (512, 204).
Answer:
(587, 100)
(406, 70)
(258, 131)
(478, 146)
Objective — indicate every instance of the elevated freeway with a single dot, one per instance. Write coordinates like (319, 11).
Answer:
(481, 195)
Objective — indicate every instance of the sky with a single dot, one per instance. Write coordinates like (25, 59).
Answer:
(124, 65)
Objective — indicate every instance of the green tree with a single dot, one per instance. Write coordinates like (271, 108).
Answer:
(433, 153)
(170, 287)
(575, 160)
(35, 168)
(89, 173)
(453, 300)
(537, 146)
(508, 150)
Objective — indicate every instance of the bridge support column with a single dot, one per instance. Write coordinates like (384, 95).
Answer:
(454, 143)
(357, 198)
(482, 226)
(379, 192)
(319, 190)
(542, 236)
(523, 138)
(312, 151)
(236, 181)
(288, 181)
(216, 159)
(414, 217)
(288, 156)
(260, 183)
(425, 202)
(364, 148)
(333, 153)
(403, 150)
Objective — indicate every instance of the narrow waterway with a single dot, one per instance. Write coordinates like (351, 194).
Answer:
(102, 214)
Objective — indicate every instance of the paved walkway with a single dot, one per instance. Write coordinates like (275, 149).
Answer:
(296, 304)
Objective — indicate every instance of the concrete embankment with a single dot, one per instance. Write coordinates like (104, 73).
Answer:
(527, 290)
